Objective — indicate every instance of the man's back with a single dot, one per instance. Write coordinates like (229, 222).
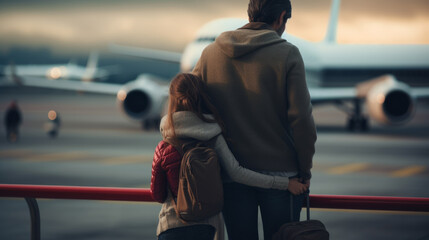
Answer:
(256, 80)
(257, 83)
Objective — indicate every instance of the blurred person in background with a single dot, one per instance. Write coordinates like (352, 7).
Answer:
(12, 121)
(52, 127)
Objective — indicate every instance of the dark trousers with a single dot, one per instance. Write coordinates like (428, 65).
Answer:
(240, 210)
(193, 232)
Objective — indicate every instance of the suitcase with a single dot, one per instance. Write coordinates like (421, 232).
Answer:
(304, 230)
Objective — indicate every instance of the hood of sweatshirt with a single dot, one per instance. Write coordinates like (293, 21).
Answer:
(189, 125)
(247, 39)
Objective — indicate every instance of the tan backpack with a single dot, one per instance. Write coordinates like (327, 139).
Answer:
(200, 193)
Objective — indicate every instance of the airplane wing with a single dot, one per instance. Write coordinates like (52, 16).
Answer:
(420, 92)
(152, 54)
(91, 87)
(320, 95)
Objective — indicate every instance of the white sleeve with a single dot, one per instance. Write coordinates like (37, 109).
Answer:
(243, 175)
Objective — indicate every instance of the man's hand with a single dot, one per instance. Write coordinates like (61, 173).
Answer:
(306, 182)
(296, 187)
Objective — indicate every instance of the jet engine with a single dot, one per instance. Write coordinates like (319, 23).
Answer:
(390, 102)
(143, 99)
(135, 103)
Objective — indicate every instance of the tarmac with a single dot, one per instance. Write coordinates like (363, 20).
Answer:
(98, 146)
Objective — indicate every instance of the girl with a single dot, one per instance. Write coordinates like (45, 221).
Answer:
(192, 116)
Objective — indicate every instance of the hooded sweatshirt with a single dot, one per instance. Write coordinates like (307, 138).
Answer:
(257, 82)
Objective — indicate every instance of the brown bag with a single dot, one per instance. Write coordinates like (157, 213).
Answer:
(200, 193)
(304, 230)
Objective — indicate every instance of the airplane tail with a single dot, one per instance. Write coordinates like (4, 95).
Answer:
(91, 67)
(331, 34)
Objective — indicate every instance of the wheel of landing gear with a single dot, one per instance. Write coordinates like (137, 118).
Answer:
(364, 125)
(150, 124)
(358, 124)
(351, 124)
(156, 123)
(145, 125)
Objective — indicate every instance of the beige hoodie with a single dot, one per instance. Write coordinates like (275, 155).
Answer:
(257, 82)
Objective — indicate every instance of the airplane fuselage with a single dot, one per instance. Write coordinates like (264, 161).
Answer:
(330, 64)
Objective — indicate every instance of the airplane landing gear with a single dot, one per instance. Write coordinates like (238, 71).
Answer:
(356, 121)
(150, 124)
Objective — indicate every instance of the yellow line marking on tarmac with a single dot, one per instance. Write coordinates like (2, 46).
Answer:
(408, 171)
(348, 168)
(127, 159)
(50, 157)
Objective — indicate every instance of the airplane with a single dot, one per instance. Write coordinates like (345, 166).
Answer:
(70, 71)
(379, 71)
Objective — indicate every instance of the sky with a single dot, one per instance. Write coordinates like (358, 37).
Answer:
(77, 26)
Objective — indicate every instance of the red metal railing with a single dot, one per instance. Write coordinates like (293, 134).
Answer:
(31, 192)
(71, 192)
(370, 203)
(144, 195)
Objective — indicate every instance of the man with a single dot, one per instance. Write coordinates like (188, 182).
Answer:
(12, 120)
(256, 80)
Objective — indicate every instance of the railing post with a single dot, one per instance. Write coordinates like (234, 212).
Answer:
(35, 218)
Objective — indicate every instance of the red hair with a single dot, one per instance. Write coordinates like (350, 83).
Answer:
(189, 93)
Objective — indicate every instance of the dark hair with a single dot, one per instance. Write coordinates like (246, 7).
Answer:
(189, 93)
(268, 11)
